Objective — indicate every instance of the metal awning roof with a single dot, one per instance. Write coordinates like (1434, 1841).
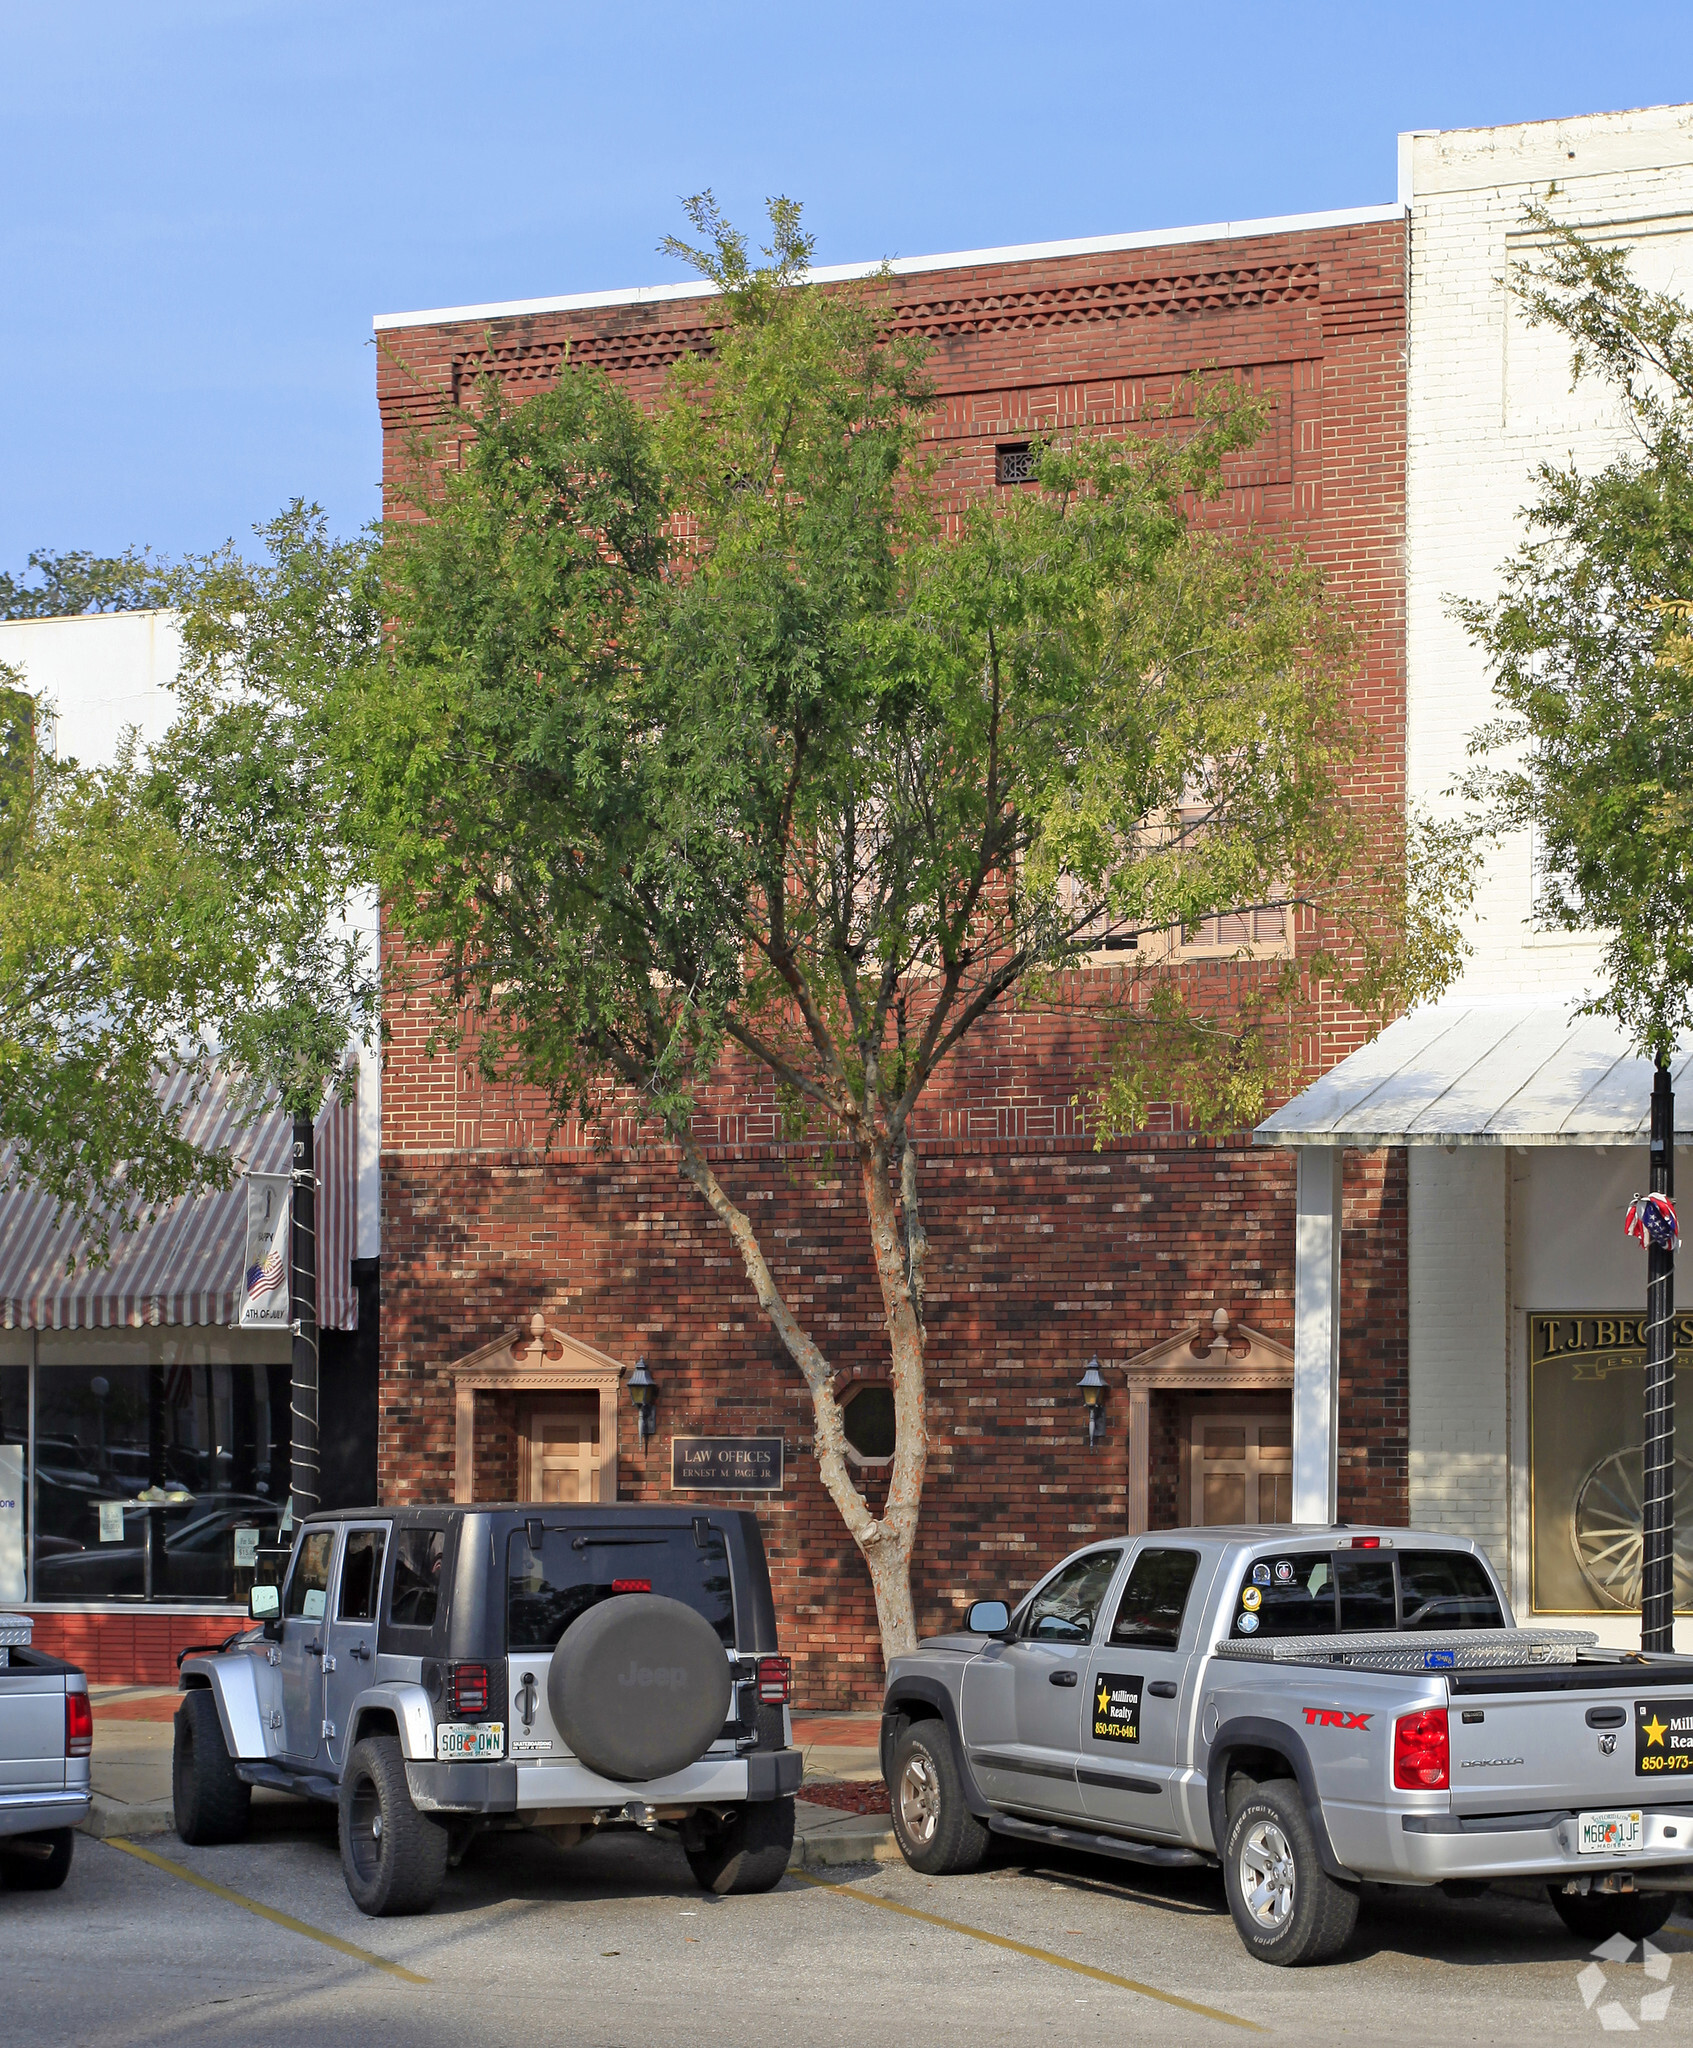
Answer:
(1486, 1073)
(185, 1266)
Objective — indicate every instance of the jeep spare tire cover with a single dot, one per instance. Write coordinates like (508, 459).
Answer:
(639, 1686)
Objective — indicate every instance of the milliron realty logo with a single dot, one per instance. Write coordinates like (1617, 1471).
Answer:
(1612, 2014)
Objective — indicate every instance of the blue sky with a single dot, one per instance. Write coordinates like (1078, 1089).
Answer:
(205, 203)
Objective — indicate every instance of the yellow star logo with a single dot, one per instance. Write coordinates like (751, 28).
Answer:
(1104, 1698)
(1656, 1730)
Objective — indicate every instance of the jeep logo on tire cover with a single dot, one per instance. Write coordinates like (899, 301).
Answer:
(673, 1675)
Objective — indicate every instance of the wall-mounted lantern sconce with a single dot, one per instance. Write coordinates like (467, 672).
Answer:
(1094, 1390)
(643, 1391)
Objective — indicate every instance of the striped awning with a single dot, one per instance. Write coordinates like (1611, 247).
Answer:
(184, 1268)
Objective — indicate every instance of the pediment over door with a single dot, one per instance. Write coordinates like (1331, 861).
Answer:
(545, 1361)
(1219, 1356)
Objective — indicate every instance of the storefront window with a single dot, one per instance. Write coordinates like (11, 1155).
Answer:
(1586, 1388)
(147, 1467)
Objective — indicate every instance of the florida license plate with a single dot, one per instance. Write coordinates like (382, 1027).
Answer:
(459, 1742)
(1607, 1834)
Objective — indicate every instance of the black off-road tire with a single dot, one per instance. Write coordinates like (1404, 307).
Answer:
(748, 1853)
(1304, 1915)
(209, 1801)
(936, 1831)
(393, 1857)
(1595, 1916)
(37, 1863)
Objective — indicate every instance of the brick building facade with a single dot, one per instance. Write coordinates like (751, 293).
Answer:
(1044, 1251)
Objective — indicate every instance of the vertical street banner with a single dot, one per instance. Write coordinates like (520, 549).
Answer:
(264, 1267)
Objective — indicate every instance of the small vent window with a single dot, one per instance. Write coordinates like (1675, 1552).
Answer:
(868, 1419)
(1013, 464)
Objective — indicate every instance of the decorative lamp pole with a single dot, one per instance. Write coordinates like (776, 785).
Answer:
(1651, 1218)
(643, 1391)
(302, 1311)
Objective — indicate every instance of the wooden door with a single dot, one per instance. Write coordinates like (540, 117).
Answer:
(560, 1445)
(1242, 1466)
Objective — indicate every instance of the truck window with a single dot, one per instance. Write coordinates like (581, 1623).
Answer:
(1150, 1611)
(361, 1575)
(1366, 1591)
(417, 1577)
(1446, 1589)
(1285, 1595)
(311, 1575)
(547, 1589)
(1066, 1607)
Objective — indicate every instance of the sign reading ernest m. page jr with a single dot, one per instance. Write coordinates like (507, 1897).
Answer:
(726, 1464)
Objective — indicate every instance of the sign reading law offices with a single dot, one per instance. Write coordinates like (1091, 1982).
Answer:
(726, 1464)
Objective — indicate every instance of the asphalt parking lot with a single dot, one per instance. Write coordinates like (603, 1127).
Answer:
(612, 1944)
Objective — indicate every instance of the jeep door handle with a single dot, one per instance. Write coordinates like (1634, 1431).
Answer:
(358, 1650)
(312, 1649)
(1162, 1688)
(1061, 1678)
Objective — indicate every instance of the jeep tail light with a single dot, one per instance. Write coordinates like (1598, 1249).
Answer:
(467, 1690)
(79, 1724)
(631, 1585)
(775, 1681)
(1422, 1752)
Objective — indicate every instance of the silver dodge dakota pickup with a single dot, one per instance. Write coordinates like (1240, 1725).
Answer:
(46, 1735)
(1312, 1708)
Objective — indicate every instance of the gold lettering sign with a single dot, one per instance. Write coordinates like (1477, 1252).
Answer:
(1593, 1344)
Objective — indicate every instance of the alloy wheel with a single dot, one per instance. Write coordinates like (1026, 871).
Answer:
(919, 1799)
(1266, 1875)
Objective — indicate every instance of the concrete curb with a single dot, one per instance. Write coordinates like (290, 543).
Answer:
(108, 1817)
(833, 1838)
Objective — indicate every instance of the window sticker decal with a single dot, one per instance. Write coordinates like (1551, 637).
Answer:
(1260, 1575)
(1251, 1599)
(1247, 1624)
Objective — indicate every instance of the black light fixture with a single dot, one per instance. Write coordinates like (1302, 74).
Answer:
(1094, 1390)
(643, 1391)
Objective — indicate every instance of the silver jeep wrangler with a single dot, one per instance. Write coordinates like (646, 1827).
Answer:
(440, 1671)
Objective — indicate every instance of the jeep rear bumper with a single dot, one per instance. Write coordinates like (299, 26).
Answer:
(528, 1787)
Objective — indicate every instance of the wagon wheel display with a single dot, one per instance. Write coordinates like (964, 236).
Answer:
(1605, 1530)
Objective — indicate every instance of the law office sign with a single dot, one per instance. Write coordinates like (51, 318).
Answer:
(726, 1464)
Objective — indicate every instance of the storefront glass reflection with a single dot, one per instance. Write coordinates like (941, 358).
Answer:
(156, 1481)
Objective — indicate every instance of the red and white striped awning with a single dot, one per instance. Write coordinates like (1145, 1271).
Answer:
(185, 1268)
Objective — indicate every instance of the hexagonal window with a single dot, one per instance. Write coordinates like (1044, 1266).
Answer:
(867, 1415)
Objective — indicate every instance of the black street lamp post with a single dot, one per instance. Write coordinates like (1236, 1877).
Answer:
(302, 1311)
(1657, 1562)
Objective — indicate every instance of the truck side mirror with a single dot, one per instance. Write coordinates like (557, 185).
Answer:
(988, 1618)
(264, 1603)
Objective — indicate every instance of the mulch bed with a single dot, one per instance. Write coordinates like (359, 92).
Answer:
(847, 1798)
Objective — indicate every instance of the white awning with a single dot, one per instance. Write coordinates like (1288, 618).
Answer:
(185, 1268)
(1486, 1073)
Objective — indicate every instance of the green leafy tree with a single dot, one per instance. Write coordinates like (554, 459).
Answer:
(113, 944)
(717, 736)
(77, 582)
(1590, 652)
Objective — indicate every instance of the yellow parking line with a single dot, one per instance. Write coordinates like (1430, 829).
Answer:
(220, 1891)
(1022, 1948)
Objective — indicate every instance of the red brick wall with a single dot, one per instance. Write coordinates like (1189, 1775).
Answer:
(1041, 1256)
(139, 1648)
(1044, 1251)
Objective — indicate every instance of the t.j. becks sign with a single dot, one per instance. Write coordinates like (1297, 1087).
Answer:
(726, 1464)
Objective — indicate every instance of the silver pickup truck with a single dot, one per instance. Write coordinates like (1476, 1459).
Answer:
(46, 1735)
(1314, 1708)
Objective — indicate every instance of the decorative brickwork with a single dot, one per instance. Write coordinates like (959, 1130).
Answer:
(1044, 1252)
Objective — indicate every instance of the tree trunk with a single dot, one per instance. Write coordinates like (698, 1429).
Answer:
(886, 1543)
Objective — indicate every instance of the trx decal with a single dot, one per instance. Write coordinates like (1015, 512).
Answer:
(1332, 1717)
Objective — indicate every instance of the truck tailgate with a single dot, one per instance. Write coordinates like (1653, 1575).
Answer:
(32, 1730)
(1592, 1737)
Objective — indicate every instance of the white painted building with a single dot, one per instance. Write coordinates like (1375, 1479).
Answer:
(1525, 1127)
